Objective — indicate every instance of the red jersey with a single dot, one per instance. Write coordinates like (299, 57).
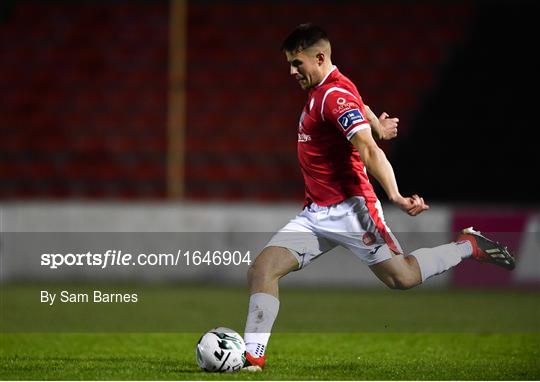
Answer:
(331, 166)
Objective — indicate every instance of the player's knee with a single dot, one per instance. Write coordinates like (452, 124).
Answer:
(256, 271)
(271, 264)
(261, 269)
(401, 282)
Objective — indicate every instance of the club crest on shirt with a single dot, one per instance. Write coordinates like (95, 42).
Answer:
(369, 238)
(349, 118)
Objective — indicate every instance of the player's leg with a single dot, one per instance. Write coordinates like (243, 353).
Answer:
(272, 264)
(399, 272)
(370, 239)
(407, 271)
(404, 272)
(292, 248)
(263, 276)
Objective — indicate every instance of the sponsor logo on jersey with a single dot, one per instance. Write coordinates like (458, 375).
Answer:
(350, 118)
(302, 137)
(344, 107)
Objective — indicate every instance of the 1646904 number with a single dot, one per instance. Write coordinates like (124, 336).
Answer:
(217, 258)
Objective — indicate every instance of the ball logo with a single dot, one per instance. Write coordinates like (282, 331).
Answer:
(368, 238)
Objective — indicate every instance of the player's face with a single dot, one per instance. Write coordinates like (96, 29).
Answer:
(305, 68)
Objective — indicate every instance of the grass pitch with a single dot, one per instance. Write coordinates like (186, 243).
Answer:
(413, 335)
(314, 356)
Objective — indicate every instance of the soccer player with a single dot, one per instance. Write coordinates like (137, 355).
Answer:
(336, 146)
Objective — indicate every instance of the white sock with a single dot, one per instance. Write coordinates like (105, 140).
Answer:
(262, 312)
(465, 248)
(433, 261)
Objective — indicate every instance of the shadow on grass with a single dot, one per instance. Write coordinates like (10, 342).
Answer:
(33, 363)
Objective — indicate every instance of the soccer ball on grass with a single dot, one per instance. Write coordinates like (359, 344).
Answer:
(221, 350)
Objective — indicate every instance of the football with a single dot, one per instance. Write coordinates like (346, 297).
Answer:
(221, 350)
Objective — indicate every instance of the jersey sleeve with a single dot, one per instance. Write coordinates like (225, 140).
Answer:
(345, 111)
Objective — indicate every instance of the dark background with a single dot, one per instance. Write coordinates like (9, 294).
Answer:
(474, 134)
(84, 84)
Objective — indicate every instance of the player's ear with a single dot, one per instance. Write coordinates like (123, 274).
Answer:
(321, 57)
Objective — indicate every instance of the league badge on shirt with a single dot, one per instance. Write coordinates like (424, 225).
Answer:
(350, 118)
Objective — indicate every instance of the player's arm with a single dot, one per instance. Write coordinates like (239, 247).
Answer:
(378, 165)
(382, 128)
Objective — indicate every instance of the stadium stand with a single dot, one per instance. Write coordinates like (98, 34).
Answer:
(84, 90)
(84, 103)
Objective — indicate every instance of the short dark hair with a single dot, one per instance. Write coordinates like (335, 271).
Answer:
(303, 36)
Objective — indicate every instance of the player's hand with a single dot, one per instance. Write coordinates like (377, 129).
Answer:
(388, 126)
(413, 205)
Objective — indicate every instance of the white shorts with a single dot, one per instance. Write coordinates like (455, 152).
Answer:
(354, 224)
